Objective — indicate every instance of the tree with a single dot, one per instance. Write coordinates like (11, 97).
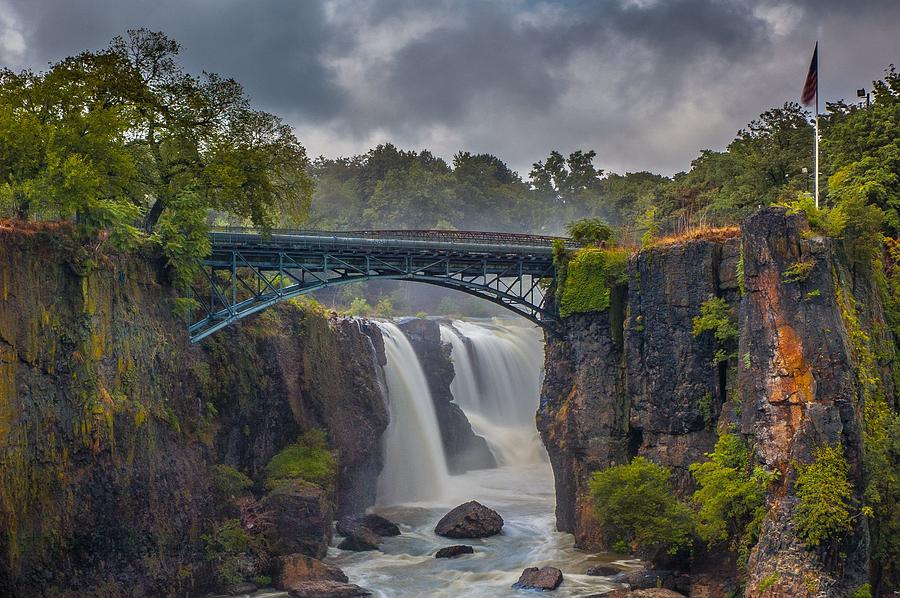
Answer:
(861, 146)
(124, 137)
(572, 182)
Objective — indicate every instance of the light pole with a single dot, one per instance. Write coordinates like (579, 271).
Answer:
(862, 93)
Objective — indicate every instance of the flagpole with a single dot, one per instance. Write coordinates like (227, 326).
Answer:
(817, 134)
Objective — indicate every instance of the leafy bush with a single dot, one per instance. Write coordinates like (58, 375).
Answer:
(825, 493)
(228, 482)
(634, 504)
(828, 221)
(715, 316)
(731, 496)
(308, 459)
(234, 553)
(863, 591)
(587, 279)
(590, 231)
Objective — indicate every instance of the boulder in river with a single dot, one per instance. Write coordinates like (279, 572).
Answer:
(448, 552)
(603, 570)
(376, 523)
(359, 538)
(544, 579)
(645, 579)
(647, 593)
(327, 589)
(294, 569)
(470, 520)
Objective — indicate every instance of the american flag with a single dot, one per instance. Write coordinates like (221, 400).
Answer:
(811, 87)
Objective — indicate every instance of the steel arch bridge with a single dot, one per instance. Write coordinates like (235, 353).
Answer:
(248, 270)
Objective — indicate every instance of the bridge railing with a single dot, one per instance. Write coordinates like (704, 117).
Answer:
(440, 236)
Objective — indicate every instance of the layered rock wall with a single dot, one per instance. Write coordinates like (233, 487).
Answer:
(110, 422)
(652, 388)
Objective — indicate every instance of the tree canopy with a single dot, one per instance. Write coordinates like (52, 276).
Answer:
(125, 139)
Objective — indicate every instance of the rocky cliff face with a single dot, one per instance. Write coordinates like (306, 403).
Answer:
(110, 423)
(634, 380)
(463, 448)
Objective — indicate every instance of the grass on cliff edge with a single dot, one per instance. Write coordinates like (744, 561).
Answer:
(309, 459)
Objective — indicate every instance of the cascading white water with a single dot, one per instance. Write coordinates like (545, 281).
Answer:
(498, 368)
(414, 465)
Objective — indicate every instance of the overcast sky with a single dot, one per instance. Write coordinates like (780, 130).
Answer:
(646, 83)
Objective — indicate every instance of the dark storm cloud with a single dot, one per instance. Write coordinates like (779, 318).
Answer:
(273, 47)
(645, 82)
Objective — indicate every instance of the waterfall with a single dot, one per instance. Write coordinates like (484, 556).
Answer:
(414, 465)
(498, 368)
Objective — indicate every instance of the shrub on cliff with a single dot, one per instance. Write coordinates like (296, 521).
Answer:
(234, 553)
(309, 459)
(228, 482)
(715, 316)
(730, 497)
(586, 278)
(634, 504)
(825, 493)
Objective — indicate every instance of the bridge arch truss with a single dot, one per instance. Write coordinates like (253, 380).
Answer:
(248, 272)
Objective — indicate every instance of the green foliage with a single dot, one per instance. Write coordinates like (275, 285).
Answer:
(798, 271)
(384, 308)
(309, 459)
(648, 223)
(810, 295)
(827, 221)
(863, 591)
(862, 149)
(125, 143)
(716, 317)
(731, 496)
(359, 308)
(634, 503)
(768, 581)
(825, 493)
(741, 279)
(590, 231)
(231, 550)
(587, 279)
(228, 482)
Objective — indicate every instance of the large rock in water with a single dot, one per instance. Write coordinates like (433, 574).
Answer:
(375, 523)
(301, 519)
(327, 589)
(449, 552)
(297, 568)
(544, 579)
(359, 539)
(470, 520)
(649, 593)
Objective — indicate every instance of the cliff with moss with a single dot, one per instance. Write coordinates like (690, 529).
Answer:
(130, 460)
(756, 366)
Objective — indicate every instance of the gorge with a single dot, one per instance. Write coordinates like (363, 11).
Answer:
(135, 462)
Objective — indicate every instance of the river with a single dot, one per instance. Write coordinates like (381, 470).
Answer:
(498, 372)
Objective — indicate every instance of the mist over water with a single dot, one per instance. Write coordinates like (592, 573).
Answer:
(498, 366)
